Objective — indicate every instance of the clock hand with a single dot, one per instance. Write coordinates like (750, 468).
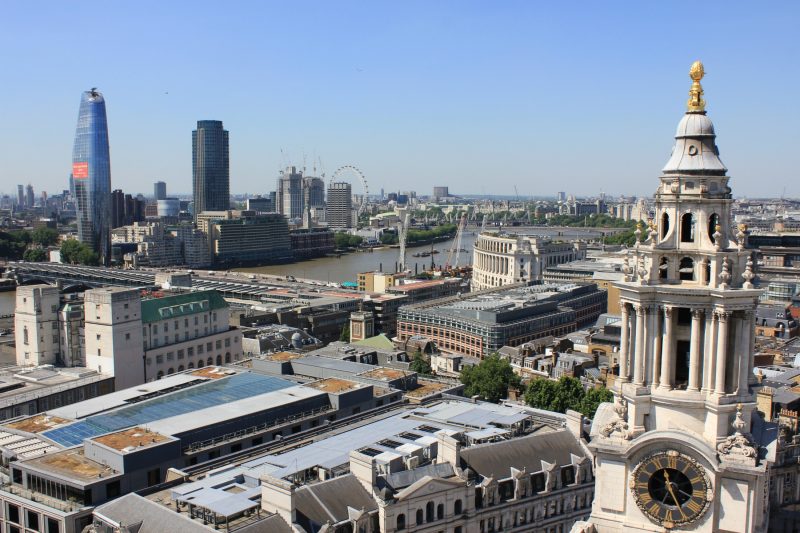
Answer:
(672, 493)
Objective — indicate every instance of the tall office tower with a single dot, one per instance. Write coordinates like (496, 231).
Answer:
(315, 192)
(117, 208)
(677, 450)
(71, 185)
(210, 167)
(339, 212)
(91, 170)
(160, 190)
(21, 195)
(440, 192)
(290, 193)
(29, 198)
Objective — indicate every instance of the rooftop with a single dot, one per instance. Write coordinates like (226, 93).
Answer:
(283, 356)
(334, 385)
(428, 388)
(189, 303)
(37, 423)
(72, 464)
(135, 437)
(383, 373)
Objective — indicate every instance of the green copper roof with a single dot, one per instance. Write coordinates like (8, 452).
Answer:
(181, 305)
(381, 342)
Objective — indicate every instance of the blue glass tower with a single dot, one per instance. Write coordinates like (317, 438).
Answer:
(91, 173)
(210, 167)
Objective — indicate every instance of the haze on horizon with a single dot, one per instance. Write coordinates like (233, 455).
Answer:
(477, 96)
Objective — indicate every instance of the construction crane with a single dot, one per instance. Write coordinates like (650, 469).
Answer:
(405, 219)
(455, 253)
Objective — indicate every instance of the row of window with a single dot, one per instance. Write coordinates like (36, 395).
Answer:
(428, 514)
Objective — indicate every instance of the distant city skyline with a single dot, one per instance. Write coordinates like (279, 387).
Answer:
(477, 97)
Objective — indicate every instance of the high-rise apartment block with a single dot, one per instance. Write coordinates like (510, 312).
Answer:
(210, 167)
(91, 171)
(29, 196)
(159, 190)
(20, 195)
(296, 193)
(339, 212)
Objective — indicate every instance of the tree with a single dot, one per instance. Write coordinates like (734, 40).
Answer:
(44, 236)
(69, 251)
(88, 257)
(566, 393)
(34, 255)
(420, 364)
(541, 393)
(490, 379)
(345, 335)
(593, 399)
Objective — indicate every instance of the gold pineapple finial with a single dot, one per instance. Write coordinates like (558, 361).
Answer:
(696, 102)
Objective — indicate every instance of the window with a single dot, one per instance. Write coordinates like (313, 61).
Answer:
(33, 520)
(13, 514)
(199, 349)
(98, 336)
(52, 525)
(686, 269)
(236, 447)
(429, 512)
(440, 511)
(713, 222)
(664, 225)
(153, 477)
(219, 360)
(419, 517)
(256, 441)
(457, 507)
(166, 327)
(159, 359)
(189, 352)
(160, 374)
(663, 268)
(219, 344)
(155, 329)
(687, 228)
(112, 489)
(401, 521)
(127, 336)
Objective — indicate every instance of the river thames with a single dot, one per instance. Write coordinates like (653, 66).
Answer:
(346, 267)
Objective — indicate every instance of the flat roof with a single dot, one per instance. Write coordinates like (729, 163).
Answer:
(73, 464)
(37, 423)
(224, 411)
(427, 388)
(283, 356)
(212, 372)
(135, 437)
(334, 385)
(383, 373)
(218, 395)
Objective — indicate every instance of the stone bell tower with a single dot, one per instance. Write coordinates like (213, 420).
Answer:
(673, 452)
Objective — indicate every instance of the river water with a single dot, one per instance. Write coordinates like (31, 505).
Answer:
(347, 267)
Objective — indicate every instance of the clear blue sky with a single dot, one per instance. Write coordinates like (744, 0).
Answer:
(479, 96)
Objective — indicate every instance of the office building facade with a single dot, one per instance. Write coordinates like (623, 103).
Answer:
(210, 167)
(159, 190)
(340, 206)
(91, 172)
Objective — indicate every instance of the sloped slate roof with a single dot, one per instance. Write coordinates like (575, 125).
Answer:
(180, 305)
(496, 459)
(329, 500)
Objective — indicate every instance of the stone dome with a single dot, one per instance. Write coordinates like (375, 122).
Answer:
(695, 125)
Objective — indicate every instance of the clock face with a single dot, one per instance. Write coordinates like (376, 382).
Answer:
(670, 488)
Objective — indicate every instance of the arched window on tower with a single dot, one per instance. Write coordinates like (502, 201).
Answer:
(687, 228)
(664, 225)
(713, 221)
(663, 268)
(686, 270)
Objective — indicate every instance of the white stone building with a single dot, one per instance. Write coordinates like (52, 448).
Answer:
(675, 451)
(503, 259)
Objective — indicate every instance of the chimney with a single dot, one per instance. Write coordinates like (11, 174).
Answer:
(449, 450)
(278, 496)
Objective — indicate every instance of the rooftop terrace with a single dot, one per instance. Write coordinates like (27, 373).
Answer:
(135, 437)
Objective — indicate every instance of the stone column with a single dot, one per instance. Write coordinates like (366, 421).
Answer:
(745, 364)
(710, 350)
(638, 360)
(751, 347)
(668, 349)
(623, 348)
(694, 350)
(656, 340)
(722, 351)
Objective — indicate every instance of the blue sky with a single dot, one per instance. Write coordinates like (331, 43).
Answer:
(479, 96)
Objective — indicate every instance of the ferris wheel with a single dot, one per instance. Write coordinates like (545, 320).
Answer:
(348, 173)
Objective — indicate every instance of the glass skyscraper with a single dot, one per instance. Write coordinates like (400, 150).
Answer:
(91, 173)
(210, 167)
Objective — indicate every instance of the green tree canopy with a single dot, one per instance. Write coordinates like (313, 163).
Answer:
(344, 336)
(420, 364)
(35, 255)
(77, 253)
(566, 393)
(490, 379)
(345, 240)
(44, 236)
